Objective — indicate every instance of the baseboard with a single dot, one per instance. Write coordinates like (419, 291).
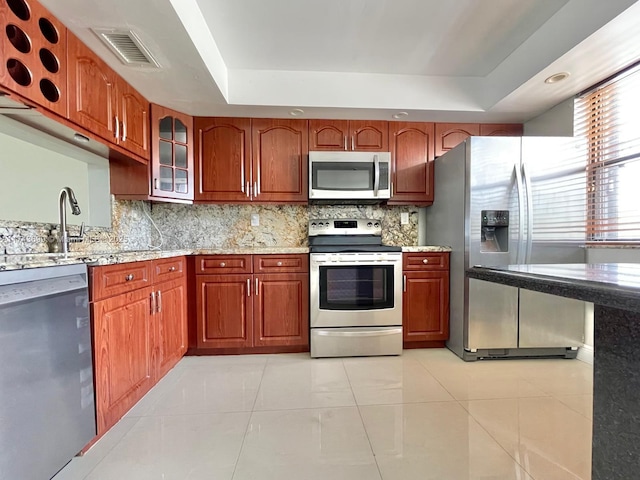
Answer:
(585, 353)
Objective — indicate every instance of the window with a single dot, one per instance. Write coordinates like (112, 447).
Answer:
(608, 117)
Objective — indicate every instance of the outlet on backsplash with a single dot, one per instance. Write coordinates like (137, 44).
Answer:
(255, 220)
(404, 218)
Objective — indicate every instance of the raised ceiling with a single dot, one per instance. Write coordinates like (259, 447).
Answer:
(452, 60)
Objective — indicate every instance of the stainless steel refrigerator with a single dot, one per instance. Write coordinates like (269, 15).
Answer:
(510, 200)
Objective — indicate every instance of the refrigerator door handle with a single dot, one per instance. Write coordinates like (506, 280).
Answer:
(521, 210)
(527, 185)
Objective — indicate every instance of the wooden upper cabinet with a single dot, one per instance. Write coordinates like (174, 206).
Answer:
(369, 136)
(171, 154)
(33, 54)
(92, 85)
(280, 162)
(356, 135)
(104, 103)
(412, 156)
(328, 135)
(134, 118)
(448, 135)
(501, 129)
(223, 159)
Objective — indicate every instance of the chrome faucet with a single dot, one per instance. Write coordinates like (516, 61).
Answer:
(65, 238)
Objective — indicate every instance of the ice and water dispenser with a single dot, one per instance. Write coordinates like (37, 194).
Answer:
(494, 236)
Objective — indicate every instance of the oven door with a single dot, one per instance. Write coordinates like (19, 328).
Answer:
(349, 175)
(355, 289)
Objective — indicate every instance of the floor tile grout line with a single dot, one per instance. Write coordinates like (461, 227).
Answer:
(246, 429)
(364, 427)
(113, 447)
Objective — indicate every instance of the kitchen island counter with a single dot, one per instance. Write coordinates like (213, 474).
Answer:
(615, 291)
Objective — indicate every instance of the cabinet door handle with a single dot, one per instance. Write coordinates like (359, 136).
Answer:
(124, 131)
(257, 287)
(404, 283)
(222, 264)
(345, 142)
(117, 132)
(172, 269)
(156, 185)
(248, 189)
(129, 277)
(153, 303)
(255, 190)
(248, 287)
(425, 260)
(392, 189)
(159, 301)
(242, 176)
(353, 143)
(279, 264)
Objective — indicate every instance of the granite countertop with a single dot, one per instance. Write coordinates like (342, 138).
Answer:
(426, 248)
(614, 285)
(35, 260)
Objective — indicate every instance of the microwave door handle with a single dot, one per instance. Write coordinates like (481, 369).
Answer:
(376, 175)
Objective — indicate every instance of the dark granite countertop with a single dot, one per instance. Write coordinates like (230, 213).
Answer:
(610, 284)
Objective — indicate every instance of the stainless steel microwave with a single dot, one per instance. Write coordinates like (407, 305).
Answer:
(352, 176)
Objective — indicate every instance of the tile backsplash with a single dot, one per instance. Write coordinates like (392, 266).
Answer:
(206, 226)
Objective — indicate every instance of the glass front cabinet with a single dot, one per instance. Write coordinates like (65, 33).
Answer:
(172, 155)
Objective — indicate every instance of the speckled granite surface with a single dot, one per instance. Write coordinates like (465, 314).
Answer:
(426, 249)
(615, 290)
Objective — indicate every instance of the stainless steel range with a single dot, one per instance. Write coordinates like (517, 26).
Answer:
(356, 289)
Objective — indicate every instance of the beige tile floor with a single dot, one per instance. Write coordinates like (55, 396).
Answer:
(424, 415)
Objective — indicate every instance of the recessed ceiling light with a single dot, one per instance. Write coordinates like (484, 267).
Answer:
(296, 112)
(557, 77)
(399, 115)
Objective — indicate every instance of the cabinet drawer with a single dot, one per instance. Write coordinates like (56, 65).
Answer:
(425, 261)
(281, 263)
(168, 269)
(111, 280)
(223, 264)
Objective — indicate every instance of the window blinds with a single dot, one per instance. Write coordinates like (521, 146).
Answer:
(608, 118)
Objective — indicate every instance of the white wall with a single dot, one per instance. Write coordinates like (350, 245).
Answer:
(34, 167)
(555, 122)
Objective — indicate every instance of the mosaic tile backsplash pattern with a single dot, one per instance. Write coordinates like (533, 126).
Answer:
(206, 226)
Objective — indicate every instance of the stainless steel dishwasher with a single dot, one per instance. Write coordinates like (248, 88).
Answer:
(47, 406)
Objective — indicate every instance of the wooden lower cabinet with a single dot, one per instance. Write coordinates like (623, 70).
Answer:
(240, 313)
(425, 307)
(280, 307)
(139, 331)
(171, 321)
(123, 342)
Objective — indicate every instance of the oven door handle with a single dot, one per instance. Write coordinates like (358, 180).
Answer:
(374, 333)
(376, 175)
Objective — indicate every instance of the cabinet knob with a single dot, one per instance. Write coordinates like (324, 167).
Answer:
(425, 260)
(129, 277)
(279, 264)
(222, 264)
(172, 269)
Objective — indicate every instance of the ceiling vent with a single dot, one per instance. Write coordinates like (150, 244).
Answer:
(127, 47)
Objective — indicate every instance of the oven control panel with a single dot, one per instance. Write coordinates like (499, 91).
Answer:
(345, 226)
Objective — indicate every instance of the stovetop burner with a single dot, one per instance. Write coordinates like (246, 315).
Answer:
(347, 235)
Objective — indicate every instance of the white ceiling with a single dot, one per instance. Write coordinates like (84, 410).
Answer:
(454, 60)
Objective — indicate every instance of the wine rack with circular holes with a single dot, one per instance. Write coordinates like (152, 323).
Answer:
(33, 54)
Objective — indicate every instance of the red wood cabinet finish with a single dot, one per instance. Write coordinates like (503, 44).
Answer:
(123, 342)
(225, 311)
(412, 159)
(356, 135)
(33, 51)
(280, 306)
(172, 147)
(103, 103)
(244, 312)
(501, 129)
(280, 151)
(448, 135)
(425, 307)
(223, 165)
(171, 321)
